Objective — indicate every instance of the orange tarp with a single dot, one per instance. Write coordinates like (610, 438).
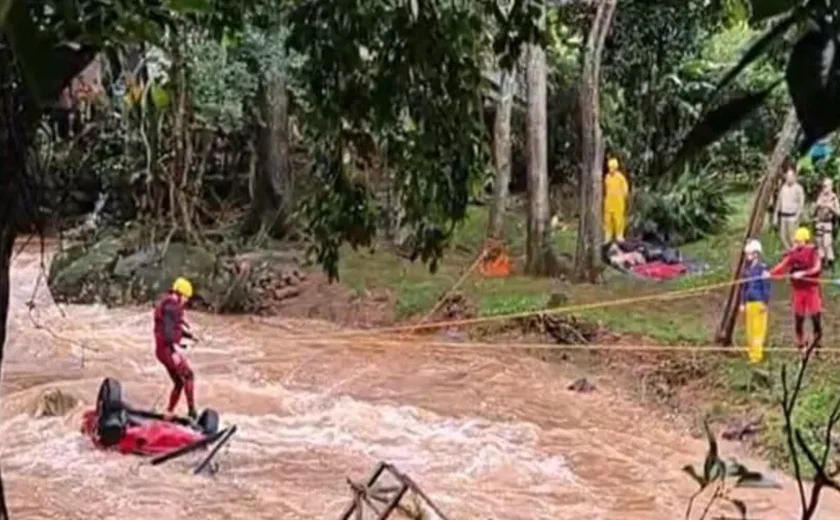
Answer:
(496, 263)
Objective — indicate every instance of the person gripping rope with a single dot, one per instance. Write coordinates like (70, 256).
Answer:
(803, 265)
(615, 202)
(755, 298)
(169, 330)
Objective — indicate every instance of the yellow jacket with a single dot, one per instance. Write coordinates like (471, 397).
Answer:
(615, 191)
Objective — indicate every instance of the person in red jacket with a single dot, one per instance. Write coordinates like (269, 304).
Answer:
(803, 265)
(169, 331)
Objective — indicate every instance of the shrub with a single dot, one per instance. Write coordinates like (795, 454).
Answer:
(685, 209)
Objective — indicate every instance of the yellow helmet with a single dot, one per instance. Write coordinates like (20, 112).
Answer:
(612, 164)
(183, 287)
(802, 235)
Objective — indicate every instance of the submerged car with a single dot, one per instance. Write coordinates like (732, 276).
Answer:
(115, 425)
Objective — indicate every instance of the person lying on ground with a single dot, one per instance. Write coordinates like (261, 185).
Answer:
(624, 259)
(803, 265)
(755, 298)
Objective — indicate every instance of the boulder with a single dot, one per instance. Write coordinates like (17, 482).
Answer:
(114, 273)
(54, 403)
(78, 274)
(145, 274)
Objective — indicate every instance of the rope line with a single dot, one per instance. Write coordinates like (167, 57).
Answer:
(662, 296)
(454, 287)
(391, 336)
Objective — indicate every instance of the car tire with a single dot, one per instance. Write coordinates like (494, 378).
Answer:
(208, 421)
(113, 417)
(109, 398)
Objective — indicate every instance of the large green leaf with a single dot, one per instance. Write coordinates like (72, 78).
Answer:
(813, 79)
(764, 9)
(719, 121)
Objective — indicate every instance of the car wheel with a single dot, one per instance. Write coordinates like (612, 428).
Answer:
(110, 396)
(113, 417)
(208, 421)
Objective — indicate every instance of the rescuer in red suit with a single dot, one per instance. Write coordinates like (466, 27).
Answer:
(803, 265)
(169, 331)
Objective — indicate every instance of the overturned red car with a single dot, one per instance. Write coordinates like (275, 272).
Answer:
(113, 424)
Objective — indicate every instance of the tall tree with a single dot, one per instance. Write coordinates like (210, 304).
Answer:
(501, 153)
(408, 75)
(590, 228)
(272, 182)
(763, 196)
(538, 253)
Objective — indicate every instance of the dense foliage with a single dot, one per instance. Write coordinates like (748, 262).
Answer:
(384, 140)
(685, 209)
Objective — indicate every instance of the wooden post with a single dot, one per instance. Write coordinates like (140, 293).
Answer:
(763, 195)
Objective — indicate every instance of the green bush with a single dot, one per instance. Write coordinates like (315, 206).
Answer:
(685, 209)
(812, 173)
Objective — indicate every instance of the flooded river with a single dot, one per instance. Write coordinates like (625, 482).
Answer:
(486, 435)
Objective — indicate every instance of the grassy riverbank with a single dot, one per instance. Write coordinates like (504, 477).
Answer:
(721, 386)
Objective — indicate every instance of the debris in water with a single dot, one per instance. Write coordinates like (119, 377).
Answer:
(375, 494)
(455, 306)
(742, 429)
(54, 403)
(582, 385)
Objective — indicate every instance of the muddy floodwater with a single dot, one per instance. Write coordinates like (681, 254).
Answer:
(488, 435)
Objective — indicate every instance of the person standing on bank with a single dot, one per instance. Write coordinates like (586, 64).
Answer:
(826, 211)
(755, 299)
(616, 191)
(790, 206)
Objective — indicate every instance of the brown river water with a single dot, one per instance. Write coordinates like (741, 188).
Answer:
(488, 435)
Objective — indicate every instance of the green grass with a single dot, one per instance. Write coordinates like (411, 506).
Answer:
(734, 386)
(692, 319)
(416, 289)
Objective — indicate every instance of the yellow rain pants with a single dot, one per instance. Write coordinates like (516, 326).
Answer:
(755, 315)
(615, 197)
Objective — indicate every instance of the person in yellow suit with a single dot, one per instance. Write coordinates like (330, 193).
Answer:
(755, 297)
(615, 202)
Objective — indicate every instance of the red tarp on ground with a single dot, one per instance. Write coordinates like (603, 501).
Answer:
(660, 270)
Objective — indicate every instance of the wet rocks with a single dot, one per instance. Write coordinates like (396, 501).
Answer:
(114, 271)
(582, 385)
(54, 403)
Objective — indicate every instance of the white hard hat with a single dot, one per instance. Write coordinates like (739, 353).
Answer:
(753, 246)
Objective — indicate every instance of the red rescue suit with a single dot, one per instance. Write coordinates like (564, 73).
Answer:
(169, 331)
(806, 292)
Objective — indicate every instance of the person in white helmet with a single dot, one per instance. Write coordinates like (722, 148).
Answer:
(755, 297)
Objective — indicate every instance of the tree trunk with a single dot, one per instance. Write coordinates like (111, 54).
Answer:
(273, 186)
(7, 240)
(13, 201)
(539, 259)
(763, 196)
(502, 154)
(590, 229)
